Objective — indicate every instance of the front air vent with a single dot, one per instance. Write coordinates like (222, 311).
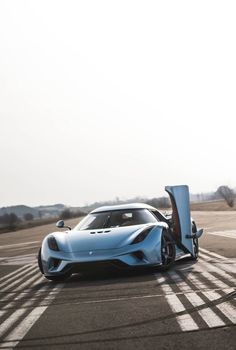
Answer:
(138, 254)
(54, 263)
(93, 232)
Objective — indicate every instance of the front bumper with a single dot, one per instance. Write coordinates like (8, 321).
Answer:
(93, 266)
(57, 263)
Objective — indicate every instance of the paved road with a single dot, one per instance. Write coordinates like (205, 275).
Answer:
(191, 307)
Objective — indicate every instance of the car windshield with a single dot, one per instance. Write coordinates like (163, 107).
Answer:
(116, 218)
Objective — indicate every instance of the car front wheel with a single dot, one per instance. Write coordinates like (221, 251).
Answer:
(168, 251)
(58, 278)
(40, 261)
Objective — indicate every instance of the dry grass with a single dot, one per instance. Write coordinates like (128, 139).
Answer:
(218, 205)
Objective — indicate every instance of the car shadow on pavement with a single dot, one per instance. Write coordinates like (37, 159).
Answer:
(124, 276)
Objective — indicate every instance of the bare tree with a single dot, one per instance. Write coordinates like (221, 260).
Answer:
(68, 214)
(227, 194)
(161, 202)
(13, 220)
(65, 214)
(9, 221)
(28, 216)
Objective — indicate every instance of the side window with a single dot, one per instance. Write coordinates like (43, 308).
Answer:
(120, 218)
(156, 214)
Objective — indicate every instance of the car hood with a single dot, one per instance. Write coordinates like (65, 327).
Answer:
(112, 238)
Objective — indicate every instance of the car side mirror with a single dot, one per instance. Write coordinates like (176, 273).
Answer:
(61, 224)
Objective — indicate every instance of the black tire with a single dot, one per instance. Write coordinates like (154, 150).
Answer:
(40, 262)
(51, 278)
(195, 243)
(168, 251)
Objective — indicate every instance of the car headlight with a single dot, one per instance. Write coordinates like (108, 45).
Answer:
(141, 237)
(52, 243)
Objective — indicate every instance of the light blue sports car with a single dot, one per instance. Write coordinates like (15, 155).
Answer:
(122, 236)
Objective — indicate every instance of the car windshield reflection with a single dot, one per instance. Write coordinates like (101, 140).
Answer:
(116, 218)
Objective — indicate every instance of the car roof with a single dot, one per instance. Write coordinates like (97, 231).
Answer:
(123, 207)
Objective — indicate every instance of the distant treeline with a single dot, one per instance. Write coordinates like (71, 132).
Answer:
(11, 221)
(69, 214)
(157, 202)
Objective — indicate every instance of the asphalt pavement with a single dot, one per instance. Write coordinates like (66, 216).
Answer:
(193, 306)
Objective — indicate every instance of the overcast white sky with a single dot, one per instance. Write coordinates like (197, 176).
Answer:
(100, 99)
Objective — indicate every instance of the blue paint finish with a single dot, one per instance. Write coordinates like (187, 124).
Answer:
(116, 243)
(180, 194)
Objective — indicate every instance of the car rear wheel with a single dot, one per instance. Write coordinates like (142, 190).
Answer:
(168, 251)
(195, 242)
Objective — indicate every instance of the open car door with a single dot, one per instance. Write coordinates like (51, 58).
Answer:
(182, 224)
